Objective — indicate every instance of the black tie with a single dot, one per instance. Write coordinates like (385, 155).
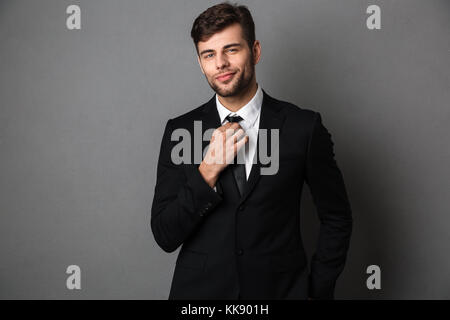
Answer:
(238, 168)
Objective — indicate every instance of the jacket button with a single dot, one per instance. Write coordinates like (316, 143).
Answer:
(240, 252)
(241, 208)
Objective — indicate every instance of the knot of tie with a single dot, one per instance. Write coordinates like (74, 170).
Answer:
(235, 118)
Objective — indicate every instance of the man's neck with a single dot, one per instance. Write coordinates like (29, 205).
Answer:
(236, 102)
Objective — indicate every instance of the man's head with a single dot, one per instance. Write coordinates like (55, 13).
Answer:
(224, 37)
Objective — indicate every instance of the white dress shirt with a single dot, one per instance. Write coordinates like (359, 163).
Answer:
(250, 123)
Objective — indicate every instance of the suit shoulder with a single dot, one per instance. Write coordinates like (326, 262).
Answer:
(296, 113)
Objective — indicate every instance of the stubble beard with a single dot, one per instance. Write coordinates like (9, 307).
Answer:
(240, 84)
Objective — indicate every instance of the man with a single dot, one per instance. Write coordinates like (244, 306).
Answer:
(239, 228)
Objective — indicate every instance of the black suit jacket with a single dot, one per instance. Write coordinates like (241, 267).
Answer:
(250, 247)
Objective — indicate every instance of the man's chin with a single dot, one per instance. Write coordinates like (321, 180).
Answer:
(226, 94)
(223, 91)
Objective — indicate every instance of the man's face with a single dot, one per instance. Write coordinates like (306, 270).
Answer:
(224, 53)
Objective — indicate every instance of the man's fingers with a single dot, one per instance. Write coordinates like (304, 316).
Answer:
(227, 125)
(241, 143)
(229, 139)
(237, 134)
(234, 138)
(232, 129)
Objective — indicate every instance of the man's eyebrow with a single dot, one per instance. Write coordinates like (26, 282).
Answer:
(232, 45)
(224, 47)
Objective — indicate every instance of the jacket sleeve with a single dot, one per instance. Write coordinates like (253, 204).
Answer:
(180, 202)
(330, 198)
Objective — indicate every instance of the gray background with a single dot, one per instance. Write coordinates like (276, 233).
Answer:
(83, 112)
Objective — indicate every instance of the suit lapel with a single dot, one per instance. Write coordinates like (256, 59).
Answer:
(211, 118)
(270, 118)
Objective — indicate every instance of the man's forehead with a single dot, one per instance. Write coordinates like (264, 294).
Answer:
(222, 38)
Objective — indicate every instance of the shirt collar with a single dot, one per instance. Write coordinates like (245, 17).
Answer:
(249, 112)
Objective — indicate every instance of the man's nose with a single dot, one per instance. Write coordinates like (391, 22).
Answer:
(221, 61)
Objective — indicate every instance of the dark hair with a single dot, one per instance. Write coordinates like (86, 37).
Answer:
(220, 16)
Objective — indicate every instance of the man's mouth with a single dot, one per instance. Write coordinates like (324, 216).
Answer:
(226, 76)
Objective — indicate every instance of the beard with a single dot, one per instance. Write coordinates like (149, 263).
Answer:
(240, 82)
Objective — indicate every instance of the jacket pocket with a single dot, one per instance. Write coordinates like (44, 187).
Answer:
(192, 259)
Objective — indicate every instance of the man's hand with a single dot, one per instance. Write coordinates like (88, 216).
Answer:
(225, 143)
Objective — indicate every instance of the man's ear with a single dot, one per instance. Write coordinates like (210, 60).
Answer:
(200, 64)
(256, 52)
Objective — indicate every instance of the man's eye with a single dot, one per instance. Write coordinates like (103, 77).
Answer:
(208, 55)
(232, 50)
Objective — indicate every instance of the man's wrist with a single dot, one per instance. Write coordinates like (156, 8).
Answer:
(208, 175)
